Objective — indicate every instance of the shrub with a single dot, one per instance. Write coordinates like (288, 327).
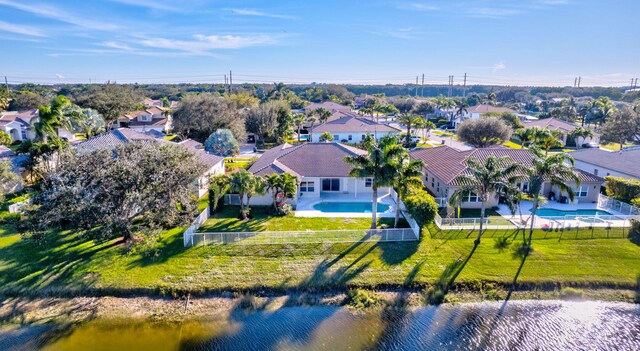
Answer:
(435, 295)
(326, 136)
(636, 202)
(484, 132)
(360, 298)
(421, 205)
(571, 293)
(622, 189)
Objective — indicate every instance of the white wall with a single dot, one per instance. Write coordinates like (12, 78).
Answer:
(356, 137)
(202, 184)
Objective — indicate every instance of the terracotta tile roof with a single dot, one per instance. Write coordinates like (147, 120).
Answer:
(626, 161)
(552, 124)
(354, 124)
(22, 117)
(307, 160)
(329, 105)
(447, 163)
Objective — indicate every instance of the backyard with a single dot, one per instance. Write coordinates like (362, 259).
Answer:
(67, 263)
(494, 217)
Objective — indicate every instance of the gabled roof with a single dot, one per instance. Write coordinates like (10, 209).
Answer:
(552, 124)
(122, 136)
(307, 160)
(22, 117)
(488, 108)
(626, 161)
(329, 105)
(446, 163)
(354, 124)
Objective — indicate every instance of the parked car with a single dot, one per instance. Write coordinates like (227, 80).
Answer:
(590, 145)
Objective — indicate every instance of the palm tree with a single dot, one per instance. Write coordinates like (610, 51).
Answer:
(298, 120)
(240, 182)
(322, 113)
(524, 135)
(281, 185)
(604, 109)
(409, 121)
(582, 133)
(408, 176)
(485, 178)
(492, 97)
(546, 138)
(556, 169)
(257, 186)
(51, 118)
(461, 107)
(377, 164)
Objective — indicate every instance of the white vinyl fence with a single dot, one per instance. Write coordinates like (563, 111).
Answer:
(624, 208)
(195, 225)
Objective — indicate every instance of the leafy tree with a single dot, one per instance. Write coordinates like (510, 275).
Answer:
(26, 100)
(546, 139)
(474, 100)
(486, 178)
(377, 164)
(218, 187)
(404, 105)
(602, 109)
(524, 135)
(556, 169)
(484, 132)
(326, 136)
(111, 100)
(136, 187)
(509, 118)
(408, 175)
(423, 108)
(244, 100)
(222, 143)
(200, 115)
(5, 139)
(246, 185)
(460, 107)
(165, 102)
(282, 187)
(5, 98)
(623, 126)
(60, 114)
(86, 121)
(7, 176)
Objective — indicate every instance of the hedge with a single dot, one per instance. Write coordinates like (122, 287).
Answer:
(623, 189)
(421, 205)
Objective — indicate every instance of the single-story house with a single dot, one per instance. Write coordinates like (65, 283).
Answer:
(152, 118)
(327, 105)
(18, 163)
(352, 129)
(441, 166)
(475, 112)
(18, 125)
(624, 163)
(563, 127)
(361, 100)
(320, 168)
(121, 136)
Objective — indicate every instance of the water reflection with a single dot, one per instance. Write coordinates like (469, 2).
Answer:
(519, 325)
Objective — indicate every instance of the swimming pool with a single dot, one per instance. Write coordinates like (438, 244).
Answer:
(356, 207)
(552, 212)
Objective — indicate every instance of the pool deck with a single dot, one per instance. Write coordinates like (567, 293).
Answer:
(304, 207)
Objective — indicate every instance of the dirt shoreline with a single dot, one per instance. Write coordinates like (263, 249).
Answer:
(40, 310)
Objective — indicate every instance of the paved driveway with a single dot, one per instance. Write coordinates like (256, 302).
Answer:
(448, 140)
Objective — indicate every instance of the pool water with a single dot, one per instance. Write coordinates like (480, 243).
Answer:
(552, 212)
(356, 207)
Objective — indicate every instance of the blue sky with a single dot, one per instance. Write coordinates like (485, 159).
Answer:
(531, 42)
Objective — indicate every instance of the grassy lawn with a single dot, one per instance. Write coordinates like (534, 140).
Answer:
(494, 217)
(68, 262)
(614, 146)
(232, 163)
(512, 145)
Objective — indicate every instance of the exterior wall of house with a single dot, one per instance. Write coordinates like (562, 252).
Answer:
(593, 192)
(356, 137)
(14, 129)
(63, 133)
(600, 171)
(202, 184)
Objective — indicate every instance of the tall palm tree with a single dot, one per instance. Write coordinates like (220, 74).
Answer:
(281, 186)
(524, 136)
(409, 121)
(546, 139)
(377, 164)
(556, 169)
(461, 107)
(408, 176)
(604, 109)
(485, 178)
(257, 186)
(240, 182)
(322, 113)
(51, 118)
(298, 120)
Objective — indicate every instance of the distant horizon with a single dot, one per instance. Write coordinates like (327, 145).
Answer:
(500, 42)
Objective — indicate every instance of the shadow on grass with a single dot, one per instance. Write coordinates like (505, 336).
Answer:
(436, 294)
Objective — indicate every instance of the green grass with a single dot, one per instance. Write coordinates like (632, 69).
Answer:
(66, 262)
(614, 146)
(512, 145)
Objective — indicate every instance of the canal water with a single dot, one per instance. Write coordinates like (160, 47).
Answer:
(516, 325)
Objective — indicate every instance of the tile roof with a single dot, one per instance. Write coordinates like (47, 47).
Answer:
(354, 124)
(626, 161)
(447, 163)
(488, 108)
(22, 117)
(329, 105)
(307, 160)
(552, 124)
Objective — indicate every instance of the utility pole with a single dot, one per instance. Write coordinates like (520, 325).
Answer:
(450, 86)
(416, 86)
(635, 85)
(464, 86)
(230, 81)
(575, 82)
(6, 83)
(579, 79)
(422, 90)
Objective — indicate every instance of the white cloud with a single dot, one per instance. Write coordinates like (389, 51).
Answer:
(55, 13)
(257, 13)
(59, 76)
(500, 66)
(492, 12)
(116, 45)
(417, 6)
(204, 43)
(20, 29)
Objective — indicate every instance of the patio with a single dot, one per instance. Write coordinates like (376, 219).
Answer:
(305, 206)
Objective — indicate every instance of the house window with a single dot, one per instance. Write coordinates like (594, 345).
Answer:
(368, 182)
(473, 198)
(307, 187)
(583, 191)
(595, 171)
(525, 187)
(350, 137)
(24, 135)
(362, 137)
(332, 184)
(336, 137)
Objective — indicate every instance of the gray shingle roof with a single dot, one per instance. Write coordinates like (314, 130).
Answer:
(307, 160)
(447, 163)
(626, 161)
(355, 125)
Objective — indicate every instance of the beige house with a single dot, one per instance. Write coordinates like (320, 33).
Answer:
(18, 125)
(563, 127)
(443, 164)
(153, 118)
(352, 129)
